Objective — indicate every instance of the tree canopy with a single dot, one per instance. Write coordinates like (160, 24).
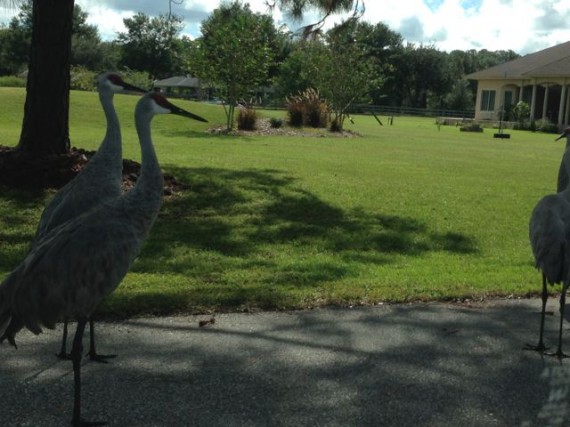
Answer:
(235, 52)
(152, 44)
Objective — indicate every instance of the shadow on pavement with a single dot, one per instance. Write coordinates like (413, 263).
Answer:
(400, 365)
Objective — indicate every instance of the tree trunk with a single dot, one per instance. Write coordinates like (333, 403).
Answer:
(45, 128)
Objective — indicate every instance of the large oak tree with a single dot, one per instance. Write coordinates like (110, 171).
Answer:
(45, 127)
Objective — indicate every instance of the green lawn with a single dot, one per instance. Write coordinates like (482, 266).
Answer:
(403, 212)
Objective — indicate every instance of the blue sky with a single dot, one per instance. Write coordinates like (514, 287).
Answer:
(524, 26)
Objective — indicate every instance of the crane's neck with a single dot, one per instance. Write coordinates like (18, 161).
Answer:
(149, 186)
(110, 149)
(564, 170)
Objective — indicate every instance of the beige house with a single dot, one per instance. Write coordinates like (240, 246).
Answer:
(540, 79)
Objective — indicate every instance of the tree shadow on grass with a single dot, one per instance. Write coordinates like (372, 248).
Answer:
(237, 216)
(19, 214)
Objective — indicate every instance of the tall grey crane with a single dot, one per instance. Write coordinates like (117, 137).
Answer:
(83, 260)
(549, 233)
(563, 178)
(100, 180)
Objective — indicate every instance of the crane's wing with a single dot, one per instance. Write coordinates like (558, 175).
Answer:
(74, 199)
(74, 267)
(549, 233)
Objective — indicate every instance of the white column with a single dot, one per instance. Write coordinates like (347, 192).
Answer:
(533, 102)
(521, 92)
(545, 103)
(567, 118)
(562, 105)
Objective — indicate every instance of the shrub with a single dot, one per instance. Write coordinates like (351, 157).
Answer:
(295, 113)
(307, 108)
(82, 79)
(335, 127)
(12, 81)
(471, 127)
(275, 123)
(521, 113)
(532, 126)
(545, 125)
(246, 118)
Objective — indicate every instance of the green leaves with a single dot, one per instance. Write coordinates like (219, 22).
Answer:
(151, 44)
(235, 52)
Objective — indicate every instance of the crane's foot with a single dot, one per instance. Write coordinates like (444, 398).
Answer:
(63, 355)
(101, 358)
(559, 354)
(541, 348)
(84, 423)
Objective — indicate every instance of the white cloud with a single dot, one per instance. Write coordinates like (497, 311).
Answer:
(109, 22)
(474, 24)
(521, 25)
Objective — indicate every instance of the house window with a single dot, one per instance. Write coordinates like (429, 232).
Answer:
(487, 100)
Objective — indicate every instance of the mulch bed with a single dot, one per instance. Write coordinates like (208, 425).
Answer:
(19, 170)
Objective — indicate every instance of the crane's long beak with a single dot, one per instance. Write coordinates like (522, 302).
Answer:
(179, 111)
(562, 135)
(130, 88)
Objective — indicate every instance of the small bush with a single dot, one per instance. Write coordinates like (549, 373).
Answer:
(307, 108)
(295, 113)
(12, 81)
(82, 79)
(545, 125)
(532, 126)
(471, 127)
(246, 118)
(275, 123)
(335, 126)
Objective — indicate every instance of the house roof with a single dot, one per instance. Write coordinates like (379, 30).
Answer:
(178, 81)
(550, 62)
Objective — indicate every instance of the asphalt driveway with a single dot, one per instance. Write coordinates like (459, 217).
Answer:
(388, 365)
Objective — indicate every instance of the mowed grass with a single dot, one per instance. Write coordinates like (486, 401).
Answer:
(400, 213)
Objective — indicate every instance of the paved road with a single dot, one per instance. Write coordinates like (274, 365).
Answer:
(389, 365)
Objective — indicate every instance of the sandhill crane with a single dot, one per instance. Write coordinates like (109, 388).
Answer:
(83, 260)
(549, 234)
(563, 178)
(100, 180)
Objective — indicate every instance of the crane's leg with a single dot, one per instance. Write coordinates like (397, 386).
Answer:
(559, 352)
(540, 346)
(102, 358)
(63, 354)
(76, 356)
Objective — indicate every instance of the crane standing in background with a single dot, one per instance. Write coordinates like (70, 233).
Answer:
(563, 177)
(549, 233)
(77, 264)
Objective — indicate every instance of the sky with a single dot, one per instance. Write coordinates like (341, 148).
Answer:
(524, 26)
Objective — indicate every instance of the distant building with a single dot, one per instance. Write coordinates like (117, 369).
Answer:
(540, 79)
(180, 86)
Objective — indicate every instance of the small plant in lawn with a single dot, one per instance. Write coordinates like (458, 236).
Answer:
(246, 118)
(471, 127)
(521, 114)
(335, 127)
(275, 122)
(545, 125)
(307, 108)
(295, 113)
